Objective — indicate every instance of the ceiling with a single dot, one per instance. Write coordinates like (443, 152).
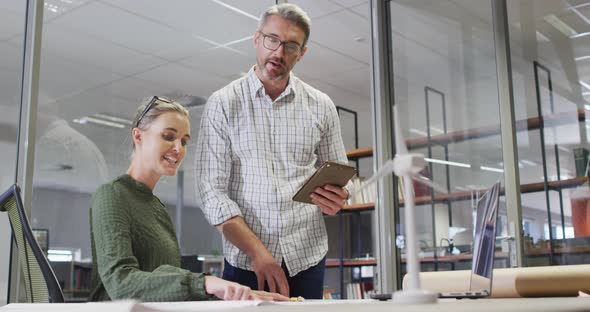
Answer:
(104, 56)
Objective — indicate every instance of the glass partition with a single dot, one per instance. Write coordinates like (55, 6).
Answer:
(445, 88)
(12, 25)
(99, 60)
(550, 57)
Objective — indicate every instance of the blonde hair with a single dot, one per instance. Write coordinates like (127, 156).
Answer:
(160, 106)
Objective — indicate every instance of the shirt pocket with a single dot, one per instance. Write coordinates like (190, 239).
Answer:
(298, 145)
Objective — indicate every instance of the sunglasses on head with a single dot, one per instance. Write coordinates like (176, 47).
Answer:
(151, 103)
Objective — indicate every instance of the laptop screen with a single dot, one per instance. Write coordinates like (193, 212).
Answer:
(484, 239)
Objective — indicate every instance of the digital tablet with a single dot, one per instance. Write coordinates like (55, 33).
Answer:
(329, 173)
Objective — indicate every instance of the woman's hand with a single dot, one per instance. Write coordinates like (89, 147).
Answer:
(227, 290)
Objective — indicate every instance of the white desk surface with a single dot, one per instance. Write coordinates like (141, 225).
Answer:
(479, 305)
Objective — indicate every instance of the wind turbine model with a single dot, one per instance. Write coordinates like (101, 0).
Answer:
(408, 165)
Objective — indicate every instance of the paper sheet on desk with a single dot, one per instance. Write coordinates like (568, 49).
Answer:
(130, 306)
(111, 306)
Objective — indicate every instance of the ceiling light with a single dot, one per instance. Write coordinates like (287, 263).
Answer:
(101, 122)
(541, 37)
(491, 169)
(97, 121)
(587, 86)
(560, 25)
(581, 58)
(580, 35)
(528, 162)
(237, 10)
(418, 132)
(227, 44)
(113, 118)
(56, 255)
(446, 162)
(586, 106)
(434, 129)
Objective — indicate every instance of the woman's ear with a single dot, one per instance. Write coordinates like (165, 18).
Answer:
(136, 136)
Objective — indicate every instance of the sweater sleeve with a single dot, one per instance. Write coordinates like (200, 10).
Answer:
(118, 268)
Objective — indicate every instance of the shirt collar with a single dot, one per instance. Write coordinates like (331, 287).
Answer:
(256, 85)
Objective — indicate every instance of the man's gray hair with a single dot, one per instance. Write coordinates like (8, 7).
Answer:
(290, 12)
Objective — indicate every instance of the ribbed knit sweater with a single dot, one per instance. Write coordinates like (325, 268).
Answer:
(134, 247)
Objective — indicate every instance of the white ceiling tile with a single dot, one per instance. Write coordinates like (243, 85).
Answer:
(316, 9)
(12, 59)
(55, 8)
(197, 19)
(221, 62)
(13, 6)
(328, 60)
(12, 24)
(345, 32)
(253, 7)
(132, 31)
(184, 80)
(135, 89)
(86, 50)
(60, 77)
(357, 81)
(363, 9)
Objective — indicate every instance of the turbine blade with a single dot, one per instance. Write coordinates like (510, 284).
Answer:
(426, 181)
(400, 142)
(386, 169)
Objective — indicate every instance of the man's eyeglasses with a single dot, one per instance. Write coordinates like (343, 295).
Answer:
(273, 43)
(151, 103)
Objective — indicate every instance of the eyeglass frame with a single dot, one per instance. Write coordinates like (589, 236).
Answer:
(281, 42)
(151, 103)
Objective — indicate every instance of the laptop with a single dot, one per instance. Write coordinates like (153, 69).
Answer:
(486, 217)
(484, 240)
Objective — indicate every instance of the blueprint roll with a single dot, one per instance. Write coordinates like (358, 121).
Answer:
(561, 281)
(546, 281)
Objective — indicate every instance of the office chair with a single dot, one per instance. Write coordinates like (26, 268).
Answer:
(40, 282)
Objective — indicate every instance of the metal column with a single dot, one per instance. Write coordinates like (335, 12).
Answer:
(25, 157)
(507, 124)
(386, 210)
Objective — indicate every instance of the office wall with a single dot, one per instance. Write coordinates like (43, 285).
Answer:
(66, 215)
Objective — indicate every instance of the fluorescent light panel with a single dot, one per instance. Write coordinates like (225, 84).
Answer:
(446, 162)
(560, 25)
(580, 35)
(491, 169)
(113, 118)
(237, 10)
(587, 86)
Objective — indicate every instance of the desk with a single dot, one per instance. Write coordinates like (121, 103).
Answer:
(481, 305)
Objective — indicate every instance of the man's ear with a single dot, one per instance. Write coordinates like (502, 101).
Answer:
(136, 136)
(302, 53)
(256, 38)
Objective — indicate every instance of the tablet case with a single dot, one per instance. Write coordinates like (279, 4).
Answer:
(329, 173)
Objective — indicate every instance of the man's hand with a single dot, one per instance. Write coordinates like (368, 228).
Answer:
(227, 290)
(329, 198)
(267, 269)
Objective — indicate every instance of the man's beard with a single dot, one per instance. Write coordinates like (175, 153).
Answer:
(266, 72)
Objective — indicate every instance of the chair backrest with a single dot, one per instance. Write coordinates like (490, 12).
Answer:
(40, 282)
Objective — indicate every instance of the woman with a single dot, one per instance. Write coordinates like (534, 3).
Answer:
(136, 254)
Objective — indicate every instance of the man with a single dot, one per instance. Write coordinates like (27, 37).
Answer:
(261, 137)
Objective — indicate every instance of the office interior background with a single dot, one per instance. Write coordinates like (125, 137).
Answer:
(100, 58)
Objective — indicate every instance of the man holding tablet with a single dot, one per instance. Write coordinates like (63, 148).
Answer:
(261, 137)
